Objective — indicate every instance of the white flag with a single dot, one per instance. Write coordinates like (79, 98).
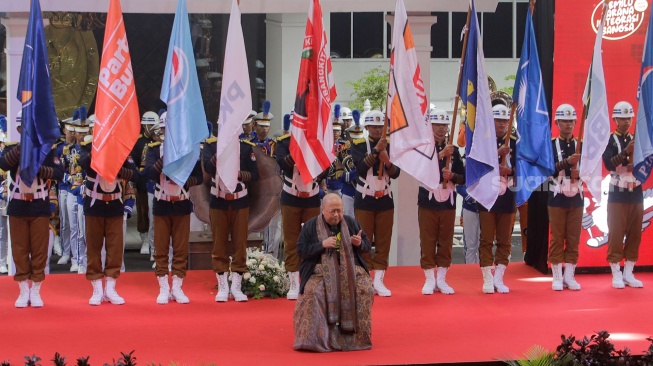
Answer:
(235, 102)
(597, 122)
(412, 146)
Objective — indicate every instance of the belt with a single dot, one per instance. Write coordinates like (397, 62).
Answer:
(29, 196)
(228, 196)
(106, 197)
(301, 194)
(623, 184)
(166, 197)
(373, 193)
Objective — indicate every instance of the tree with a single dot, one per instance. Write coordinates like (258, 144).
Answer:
(373, 85)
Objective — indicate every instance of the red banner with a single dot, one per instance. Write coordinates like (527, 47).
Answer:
(116, 108)
(623, 42)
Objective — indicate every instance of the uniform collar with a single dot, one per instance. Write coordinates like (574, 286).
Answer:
(616, 132)
(563, 140)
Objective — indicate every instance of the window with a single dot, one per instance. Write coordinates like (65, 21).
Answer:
(358, 35)
(340, 39)
(440, 36)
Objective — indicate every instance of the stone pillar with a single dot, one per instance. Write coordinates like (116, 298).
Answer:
(16, 32)
(405, 249)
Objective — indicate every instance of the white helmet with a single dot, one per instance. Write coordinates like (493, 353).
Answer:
(500, 111)
(438, 117)
(622, 110)
(91, 120)
(375, 118)
(565, 112)
(345, 113)
(150, 118)
(163, 119)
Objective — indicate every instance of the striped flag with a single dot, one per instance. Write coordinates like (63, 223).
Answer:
(311, 132)
(116, 108)
(412, 146)
(597, 120)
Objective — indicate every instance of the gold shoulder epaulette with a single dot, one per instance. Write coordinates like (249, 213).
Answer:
(283, 137)
(85, 143)
(248, 142)
(141, 135)
(359, 141)
(11, 143)
(153, 144)
(211, 140)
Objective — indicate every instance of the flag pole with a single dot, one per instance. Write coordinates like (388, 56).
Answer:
(457, 97)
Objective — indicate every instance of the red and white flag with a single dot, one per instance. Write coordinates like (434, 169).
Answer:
(412, 146)
(311, 132)
(116, 108)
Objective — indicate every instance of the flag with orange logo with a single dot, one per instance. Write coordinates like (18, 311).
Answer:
(412, 146)
(116, 107)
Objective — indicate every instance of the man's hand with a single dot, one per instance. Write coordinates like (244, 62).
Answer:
(357, 239)
(573, 159)
(505, 171)
(384, 157)
(381, 145)
(503, 150)
(630, 147)
(447, 174)
(447, 151)
(330, 242)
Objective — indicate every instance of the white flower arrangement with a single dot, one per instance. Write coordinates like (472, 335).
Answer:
(265, 276)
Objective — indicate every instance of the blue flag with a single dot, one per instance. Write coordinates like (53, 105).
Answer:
(186, 120)
(40, 127)
(643, 152)
(482, 168)
(534, 151)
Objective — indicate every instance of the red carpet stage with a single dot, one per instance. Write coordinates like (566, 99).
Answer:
(408, 328)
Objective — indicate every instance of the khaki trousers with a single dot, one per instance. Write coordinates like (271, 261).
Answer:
(499, 226)
(104, 231)
(29, 246)
(177, 227)
(377, 225)
(224, 223)
(565, 224)
(436, 236)
(624, 219)
(292, 220)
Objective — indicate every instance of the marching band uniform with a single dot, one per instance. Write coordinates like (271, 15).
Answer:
(229, 216)
(29, 218)
(65, 233)
(625, 201)
(437, 214)
(299, 203)
(373, 204)
(4, 225)
(103, 209)
(349, 176)
(497, 221)
(565, 206)
(82, 130)
(333, 182)
(247, 124)
(171, 208)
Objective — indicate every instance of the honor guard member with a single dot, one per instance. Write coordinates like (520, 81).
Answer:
(29, 218)
(56, 218)
(248, 133)
(333, 183)
(346, 121)
(4, 237)
(497, 221)
(229, 213)
(436, 213)
(349, 176)
(262, 129)
(373, 203)
(625, 200)
(149, 124)
(171, 209)
(103, 210)
(82, 131)
(62, 152)
(565, 202)
(299, 203)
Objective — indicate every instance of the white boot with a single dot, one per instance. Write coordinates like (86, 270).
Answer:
(145, 247)
(617, 276)
(98, 293)
(35, 295)
(74, 267)
(223, 287)
(379, 286)
(556, 284)
(441, 282)
(177, 293)
(57, 245)
(23, 297)
(293, 292)
(569, 280)
(429, 284)
(236, 279)
(164, 290)
(499, 271)
(488, 285)
(110, 293)
(629, 277)
(64, 259)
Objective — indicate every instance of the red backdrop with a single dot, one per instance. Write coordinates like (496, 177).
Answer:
(623, 41)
